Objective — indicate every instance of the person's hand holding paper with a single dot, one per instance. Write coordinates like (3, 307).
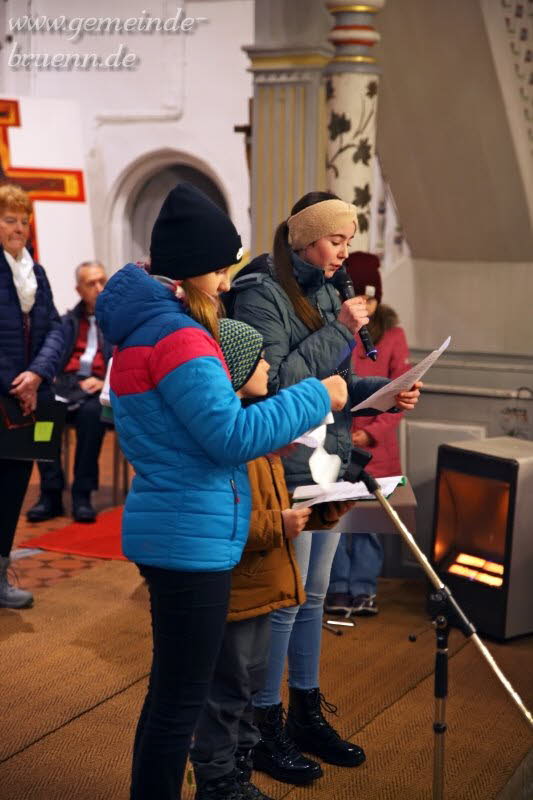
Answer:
(407, 400)
(403, 390)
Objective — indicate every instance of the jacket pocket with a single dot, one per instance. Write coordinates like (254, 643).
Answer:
(251, 563)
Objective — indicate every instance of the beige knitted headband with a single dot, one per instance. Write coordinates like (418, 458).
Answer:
(320, 219)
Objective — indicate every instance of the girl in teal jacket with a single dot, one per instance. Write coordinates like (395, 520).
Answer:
(307, 332)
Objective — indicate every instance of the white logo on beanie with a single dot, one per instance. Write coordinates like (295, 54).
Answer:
(240, 251)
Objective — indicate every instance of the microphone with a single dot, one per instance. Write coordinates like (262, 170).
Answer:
(343, 284)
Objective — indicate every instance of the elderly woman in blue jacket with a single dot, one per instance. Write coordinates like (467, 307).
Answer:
(290, 299)
(31, 346)
(183, 428)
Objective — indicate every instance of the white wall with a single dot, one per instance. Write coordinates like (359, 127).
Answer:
(180, 103)
(485, 306)
(64, 231)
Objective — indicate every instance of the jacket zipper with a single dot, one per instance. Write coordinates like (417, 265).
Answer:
(274, 482)
(237, 500)
(288, 550)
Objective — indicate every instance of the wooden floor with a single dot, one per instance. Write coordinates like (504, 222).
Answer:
(36, 571)
(73, 676)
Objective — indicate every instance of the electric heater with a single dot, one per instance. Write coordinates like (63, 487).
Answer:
(483, 531)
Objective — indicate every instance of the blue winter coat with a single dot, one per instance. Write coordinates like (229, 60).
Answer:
(46, 336)
(183, 428)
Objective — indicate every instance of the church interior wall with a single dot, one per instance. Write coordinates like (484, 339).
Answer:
(447, 144)
(183, 99)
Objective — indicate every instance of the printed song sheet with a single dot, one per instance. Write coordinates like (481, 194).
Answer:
(383, 399)
(342, 490)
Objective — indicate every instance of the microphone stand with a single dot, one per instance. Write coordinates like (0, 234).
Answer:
(446, 611)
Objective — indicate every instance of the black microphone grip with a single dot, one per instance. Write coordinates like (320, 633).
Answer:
(368, 344)
(344, 285)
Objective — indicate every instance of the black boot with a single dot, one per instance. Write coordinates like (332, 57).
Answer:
(276, 754)
(48, 506)
(243, 768)
(82, 510)
(313, 734)
(224, 788)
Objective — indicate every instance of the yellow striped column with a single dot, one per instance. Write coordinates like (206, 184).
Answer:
(351, 88)
(288, 135)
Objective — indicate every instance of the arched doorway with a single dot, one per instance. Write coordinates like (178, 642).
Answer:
(146, 204)
(133, 203)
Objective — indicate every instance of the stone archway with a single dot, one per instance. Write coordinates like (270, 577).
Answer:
(138, 195)
(150, 197)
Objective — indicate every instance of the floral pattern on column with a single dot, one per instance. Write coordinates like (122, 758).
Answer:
(351, 96)
(353, 142)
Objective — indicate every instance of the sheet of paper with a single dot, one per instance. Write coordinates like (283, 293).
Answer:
(383, 399)
(324, 466)
(342, 490)
(315, 436)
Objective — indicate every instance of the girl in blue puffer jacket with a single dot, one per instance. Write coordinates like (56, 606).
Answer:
(183, 428)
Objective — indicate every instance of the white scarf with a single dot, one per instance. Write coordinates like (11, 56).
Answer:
(23, 278)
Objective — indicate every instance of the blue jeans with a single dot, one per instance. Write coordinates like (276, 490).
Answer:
(297, 631)
(357, 564)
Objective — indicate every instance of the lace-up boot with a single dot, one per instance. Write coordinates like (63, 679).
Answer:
(11, 596)
(276, 754)
(312, 733)
(226, 787)
(243, 768)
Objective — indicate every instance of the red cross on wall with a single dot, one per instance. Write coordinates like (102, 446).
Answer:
(41, 184)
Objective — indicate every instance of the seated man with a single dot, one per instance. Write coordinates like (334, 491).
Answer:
(80, 379)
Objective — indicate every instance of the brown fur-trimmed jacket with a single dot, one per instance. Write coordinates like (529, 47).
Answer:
(267, 576)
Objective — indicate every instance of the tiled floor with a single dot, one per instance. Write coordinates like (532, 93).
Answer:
(43, 568)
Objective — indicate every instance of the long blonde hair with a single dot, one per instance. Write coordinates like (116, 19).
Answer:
(203, 309)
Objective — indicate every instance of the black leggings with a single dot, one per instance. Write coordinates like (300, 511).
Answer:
(188, 618)
(14, 479)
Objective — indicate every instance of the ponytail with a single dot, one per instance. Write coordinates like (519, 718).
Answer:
(305, 311)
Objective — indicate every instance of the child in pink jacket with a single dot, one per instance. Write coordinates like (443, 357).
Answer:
(359, 556)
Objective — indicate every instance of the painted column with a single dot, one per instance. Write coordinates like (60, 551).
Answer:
(288, 134)
(351, 104)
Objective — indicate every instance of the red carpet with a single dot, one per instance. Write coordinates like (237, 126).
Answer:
(100, 539)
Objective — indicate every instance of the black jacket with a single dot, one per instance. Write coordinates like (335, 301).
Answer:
(70, 323)
(46, 334)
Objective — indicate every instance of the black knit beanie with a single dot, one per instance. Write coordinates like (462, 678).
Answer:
(192, 236)
(242, 346)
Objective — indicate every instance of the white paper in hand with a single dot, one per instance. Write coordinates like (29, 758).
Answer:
(384, 398)
(324, 466)
(315, 436)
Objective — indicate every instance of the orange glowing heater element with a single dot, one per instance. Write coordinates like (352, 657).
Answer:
(477, 569)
